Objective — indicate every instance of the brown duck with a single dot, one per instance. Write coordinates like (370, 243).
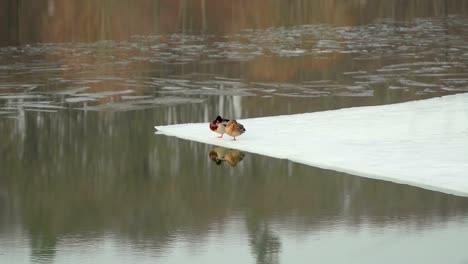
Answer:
(234, 129)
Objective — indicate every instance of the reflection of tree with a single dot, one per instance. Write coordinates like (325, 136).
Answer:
(96, 174)
(9, 22)
(46, 21)
(266, 246)
(43, 247)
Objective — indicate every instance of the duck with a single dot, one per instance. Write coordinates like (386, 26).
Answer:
(234, 129)
(218, 125)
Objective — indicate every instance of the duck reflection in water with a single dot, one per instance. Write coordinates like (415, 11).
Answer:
(230, 156)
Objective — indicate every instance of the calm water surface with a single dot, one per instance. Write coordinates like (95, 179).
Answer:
(83, 178)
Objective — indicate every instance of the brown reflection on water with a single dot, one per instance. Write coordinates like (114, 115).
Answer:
(231, 156)
(272, 71)
(30, 21)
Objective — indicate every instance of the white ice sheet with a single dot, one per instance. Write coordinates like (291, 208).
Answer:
(421, 143)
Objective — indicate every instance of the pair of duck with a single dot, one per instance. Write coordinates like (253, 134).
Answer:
(230, 127)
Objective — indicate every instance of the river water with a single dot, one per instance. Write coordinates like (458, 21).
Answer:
(83, 178)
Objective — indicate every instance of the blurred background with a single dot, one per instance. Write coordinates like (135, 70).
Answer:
(32, 21)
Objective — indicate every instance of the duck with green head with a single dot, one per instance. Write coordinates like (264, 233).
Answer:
(218, 125)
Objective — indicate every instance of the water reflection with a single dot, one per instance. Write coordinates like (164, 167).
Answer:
(265, 244)
(31, 21)
(130, 184)
(231, 156)
(43, 249)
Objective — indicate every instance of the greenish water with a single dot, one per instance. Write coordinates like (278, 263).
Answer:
(83, 178)
(127, 195)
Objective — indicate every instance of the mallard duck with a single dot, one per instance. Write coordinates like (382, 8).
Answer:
(234, 129)
(218, 125)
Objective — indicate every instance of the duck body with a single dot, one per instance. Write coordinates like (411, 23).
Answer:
(218, 125)
(234, 129)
